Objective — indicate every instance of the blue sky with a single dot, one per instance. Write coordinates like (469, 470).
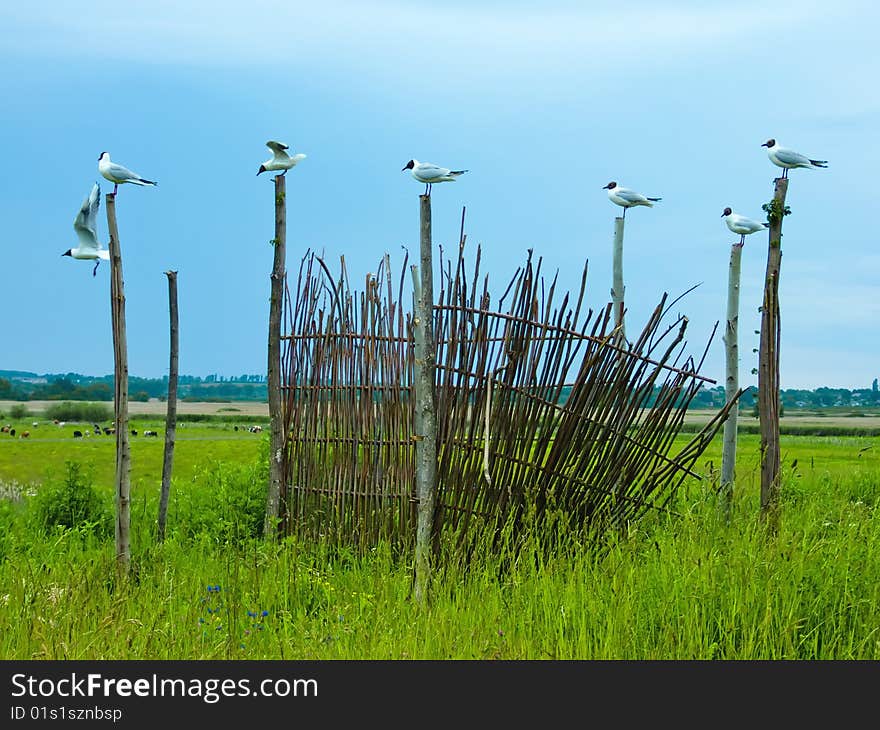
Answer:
(544, 104)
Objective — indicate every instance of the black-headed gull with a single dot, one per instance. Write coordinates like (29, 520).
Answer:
(117, 174)
(742, 225)
(626, 198)
(788, 159)
(86, 226)
(429, 174)
(280, 160)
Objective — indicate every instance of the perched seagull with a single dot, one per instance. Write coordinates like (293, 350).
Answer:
(429, 174)
(86, 226)
(627, 198)
(788, 159)
(742, 225)
(117, 174)
(280, 160)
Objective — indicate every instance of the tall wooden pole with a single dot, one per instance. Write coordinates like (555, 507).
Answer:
(425, 425)
(120, 401)
(731, 380)
(768, 362)
(276, 424)
(617, 287)
(171, 415)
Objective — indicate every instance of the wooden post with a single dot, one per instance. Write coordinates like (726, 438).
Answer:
(617, 287)
(120, 400)
(731, 381)
(276, 425)
(768, 362)
(171, 414)
(425, 425)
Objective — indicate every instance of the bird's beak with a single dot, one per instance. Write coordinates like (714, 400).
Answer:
(66, 253)
(722, 215)
(404, 169)
(262, 169)
(765, 145)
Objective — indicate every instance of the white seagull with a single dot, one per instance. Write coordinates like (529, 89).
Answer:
(86, 226)
(429, 174)
(627, 198)
(788, 159)
(280, 160)
(117, 174)
(742, 225)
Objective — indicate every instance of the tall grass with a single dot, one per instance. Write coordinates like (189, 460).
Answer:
(685, 587)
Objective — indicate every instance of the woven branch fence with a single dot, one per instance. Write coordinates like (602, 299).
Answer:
(538, 406)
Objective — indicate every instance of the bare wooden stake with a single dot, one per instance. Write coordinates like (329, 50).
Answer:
(276, 424)
(617, 287)
(425, 426)
(120, 400)
(768, 363)
(171, 414)
(731, 380)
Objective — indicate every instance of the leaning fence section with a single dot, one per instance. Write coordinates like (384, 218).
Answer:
(540, 405)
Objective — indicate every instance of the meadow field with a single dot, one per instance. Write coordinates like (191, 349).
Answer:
(682, 586)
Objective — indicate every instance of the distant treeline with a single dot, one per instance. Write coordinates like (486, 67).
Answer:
(23, 386)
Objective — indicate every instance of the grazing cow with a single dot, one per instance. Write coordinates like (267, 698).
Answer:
(25, 434)
(235, 428)
(12, 432)
(55, 421)
(77, 434)
(134, 432)
(96, 428)
(5, 429)
(35, 424)
(109, 431)
(256, 429)
(150, 433)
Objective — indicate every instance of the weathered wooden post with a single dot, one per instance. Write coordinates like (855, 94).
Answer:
(120, 400)
(171, 414)
(617, 287)
(731, 379)
(276, 425)
(768, 361)
(425, 424)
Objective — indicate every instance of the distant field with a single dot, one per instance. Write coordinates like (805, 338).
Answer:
(838, 417)
(155, 407)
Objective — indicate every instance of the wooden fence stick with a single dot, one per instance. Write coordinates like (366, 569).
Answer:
(171, 414)
(731, 380)
(425, 426)
(120, 400)
(276, 424)
(768, 363)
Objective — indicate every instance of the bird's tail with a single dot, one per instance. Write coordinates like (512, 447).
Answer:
(654, 200)
(819, 163)
(457, 172)
(103, 254)
(141, 181)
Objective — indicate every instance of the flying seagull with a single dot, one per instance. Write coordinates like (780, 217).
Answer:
(86, 226)
(742, 225)
(117, 174)
(626, 198)
(788, 159)
(280, 160)
(429, 174)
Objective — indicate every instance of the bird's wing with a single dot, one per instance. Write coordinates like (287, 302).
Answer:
(630, 196)
(86, 222)
(278, 149)
(790, 157)
(428, 172)
(118, 172)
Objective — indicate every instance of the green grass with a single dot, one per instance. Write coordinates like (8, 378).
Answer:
(671, 588)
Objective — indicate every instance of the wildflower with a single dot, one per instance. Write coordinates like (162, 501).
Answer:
(264, 613)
